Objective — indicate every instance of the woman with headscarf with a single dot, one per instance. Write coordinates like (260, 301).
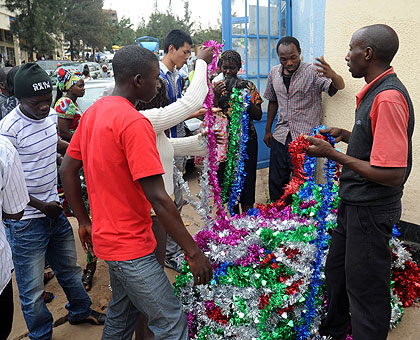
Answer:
(72, 84)
(230, 63)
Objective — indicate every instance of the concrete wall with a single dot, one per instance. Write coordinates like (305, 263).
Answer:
(5, 25)
(308, 27)
(4, 20)
(342, 18)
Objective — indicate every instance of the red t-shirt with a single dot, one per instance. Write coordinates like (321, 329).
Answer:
(389, 119)
(117, 145)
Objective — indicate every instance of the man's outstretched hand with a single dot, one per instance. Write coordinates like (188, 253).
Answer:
(200, 268)
(206, 54)
(325, 70)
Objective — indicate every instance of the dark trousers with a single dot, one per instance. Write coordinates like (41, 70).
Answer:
(250, 166)
(248, 191)
(280, 168)
(358, 270)
(6, 311)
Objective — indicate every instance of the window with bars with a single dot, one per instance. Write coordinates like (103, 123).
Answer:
(252, 28)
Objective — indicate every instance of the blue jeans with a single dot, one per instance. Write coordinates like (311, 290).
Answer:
(141, 285)
(32, 241)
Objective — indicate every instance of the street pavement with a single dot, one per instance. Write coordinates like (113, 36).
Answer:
(408, 329)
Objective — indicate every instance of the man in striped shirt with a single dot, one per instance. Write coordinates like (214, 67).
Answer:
(294, 89)
(43, 232)
(13, 199)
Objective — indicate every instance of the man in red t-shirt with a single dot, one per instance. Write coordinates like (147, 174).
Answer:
(375, 168)
(117, 147)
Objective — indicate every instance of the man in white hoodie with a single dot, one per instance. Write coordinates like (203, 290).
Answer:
(177, 48)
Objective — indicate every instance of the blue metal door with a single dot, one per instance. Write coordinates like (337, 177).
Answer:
(252, 28)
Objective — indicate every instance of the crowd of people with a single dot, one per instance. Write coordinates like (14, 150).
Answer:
(126, 144)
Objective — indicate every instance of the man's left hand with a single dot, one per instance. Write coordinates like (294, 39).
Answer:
(318, 148)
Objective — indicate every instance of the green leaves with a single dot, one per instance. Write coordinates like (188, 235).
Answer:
(159, 24)
(37, 24)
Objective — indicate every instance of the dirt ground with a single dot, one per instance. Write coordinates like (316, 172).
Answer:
(408, 329)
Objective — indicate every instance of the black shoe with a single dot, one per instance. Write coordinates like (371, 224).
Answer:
(47, 296)
(95, 318)
(48, 276)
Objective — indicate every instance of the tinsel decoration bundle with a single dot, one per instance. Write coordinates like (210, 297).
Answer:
(268, 264)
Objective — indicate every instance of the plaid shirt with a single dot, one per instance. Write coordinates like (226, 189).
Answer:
(299, 108)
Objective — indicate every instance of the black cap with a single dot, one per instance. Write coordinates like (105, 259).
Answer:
(32, 81)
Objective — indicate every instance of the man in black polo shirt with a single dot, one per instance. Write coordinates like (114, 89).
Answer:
(375, 168)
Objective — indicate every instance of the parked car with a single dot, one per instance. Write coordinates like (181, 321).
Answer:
(50, 65)
(94, 69)
(108, 56)
(95, 89)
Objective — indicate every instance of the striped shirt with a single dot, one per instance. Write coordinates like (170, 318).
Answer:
(36, 143)
(300, 108)
(13, 199)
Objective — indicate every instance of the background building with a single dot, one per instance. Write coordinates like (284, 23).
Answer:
(9, 46)
(112, 15)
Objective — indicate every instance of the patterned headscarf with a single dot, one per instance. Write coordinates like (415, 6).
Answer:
(67, 78)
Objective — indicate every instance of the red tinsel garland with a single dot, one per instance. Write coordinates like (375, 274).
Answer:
(407, 283)
(215, 313)
(291, 253)
(297, 150)
(267, 259)
(264, 300)
(294, 288)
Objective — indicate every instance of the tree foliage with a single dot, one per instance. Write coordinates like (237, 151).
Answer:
(124, 33)
(202, 35)
(160, 24)
(87, 23)
(42, 25)
(37, 25)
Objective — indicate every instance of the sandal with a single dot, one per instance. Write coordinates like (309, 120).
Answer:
(95, 318)
(47, 296)
(87, 278)
(48, 276)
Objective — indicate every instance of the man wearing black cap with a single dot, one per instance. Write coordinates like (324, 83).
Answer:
(43, 232)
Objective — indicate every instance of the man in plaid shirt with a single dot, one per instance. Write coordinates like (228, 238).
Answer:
(294, 89)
